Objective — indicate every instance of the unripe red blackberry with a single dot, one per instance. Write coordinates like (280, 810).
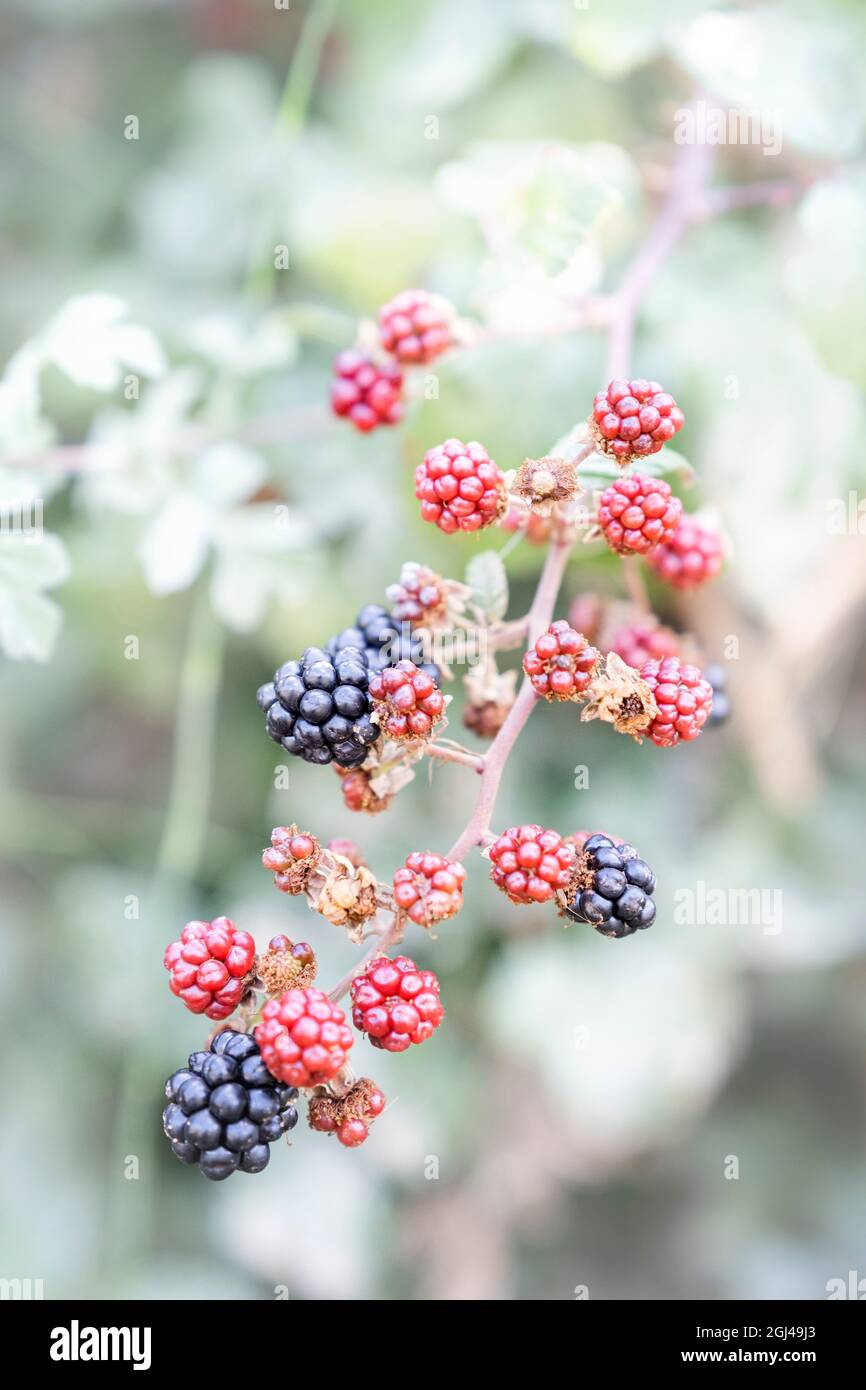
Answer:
(612, 888)
(693, 555)
(429, 888)
(358, 794)
(418, 598)
(638, 513)
(408, 701)
(561, 663)
(349, 1116)
(460, 487)
(530, 863)
(631, 419)
(643, 641)
(366, 392)
(395, 1003)
(291, 858)
(416, 325)
(684, 700)
(210, 966)
(303, 1037)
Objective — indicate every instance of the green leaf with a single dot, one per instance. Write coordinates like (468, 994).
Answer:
(599, 471)
(486, 577)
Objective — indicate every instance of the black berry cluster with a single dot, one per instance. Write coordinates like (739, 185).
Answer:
(318, 708)
(615, 889)
(384, 639)
(225, 1108)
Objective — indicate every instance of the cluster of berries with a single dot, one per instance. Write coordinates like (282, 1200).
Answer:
(225, 1108)
(233, 1100)
(561, 663)
(320, 707)
(414, 328)
(631, 419)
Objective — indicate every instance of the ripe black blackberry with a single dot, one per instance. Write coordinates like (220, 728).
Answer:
(225, 1108)
(613, 888)
(318, 708)
(721, 710)
(385, 639)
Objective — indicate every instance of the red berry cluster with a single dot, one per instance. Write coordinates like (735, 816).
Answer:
(634, 418)
(291, 858)
(690, 557)
(429, 888)
(644, 641)
(409, 701)
(358, 794)
(561, 664)
(531, 863)
(460, 487)
(684, 698)
(395, 1003)
(416, 325)
(349, 1117)
(637, 513)
(303, 1037)
(418, 596)
(209, 966)
(367, 392)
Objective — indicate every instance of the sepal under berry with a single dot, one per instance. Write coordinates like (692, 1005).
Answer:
(349, 1116)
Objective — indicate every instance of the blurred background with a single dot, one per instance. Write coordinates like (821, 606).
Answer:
(679, 1115)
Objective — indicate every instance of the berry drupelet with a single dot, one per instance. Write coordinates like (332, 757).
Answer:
(631, 419)
(210, 965)
(692, 556)
(395, 1003)
(225, 1108)
(684, 698)
(429, 887)
(304, 1037)
(530, 863)
(638, 513)
(416, 325)
(460, 487)
(612, 888)
(366, 393)
(561, 664)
